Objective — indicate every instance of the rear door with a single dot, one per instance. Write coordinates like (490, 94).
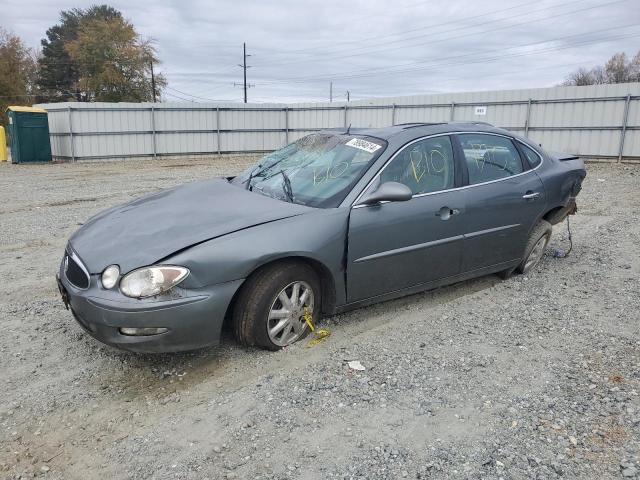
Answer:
(397, 245)
(503, 200)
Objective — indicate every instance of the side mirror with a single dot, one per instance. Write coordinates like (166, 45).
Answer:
(388, 192)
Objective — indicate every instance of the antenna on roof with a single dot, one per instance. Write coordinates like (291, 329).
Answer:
(348, 128)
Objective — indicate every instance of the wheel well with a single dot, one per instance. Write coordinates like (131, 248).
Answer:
(326, 282)
(551, 215)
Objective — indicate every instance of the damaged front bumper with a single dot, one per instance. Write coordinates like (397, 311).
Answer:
(192, 317)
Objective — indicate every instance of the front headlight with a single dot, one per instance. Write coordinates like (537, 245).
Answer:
(150, 281)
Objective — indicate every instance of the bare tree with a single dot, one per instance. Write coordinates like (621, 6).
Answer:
(618, 69)
(634, 68)
(580, 77)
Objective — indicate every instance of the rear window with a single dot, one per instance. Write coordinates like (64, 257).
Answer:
(531, 155)
(489, 157)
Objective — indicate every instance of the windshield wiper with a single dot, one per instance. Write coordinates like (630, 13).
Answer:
(254, 173)
(260, 169)
(286, 185)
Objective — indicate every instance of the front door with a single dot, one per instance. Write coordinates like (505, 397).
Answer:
(397, 245)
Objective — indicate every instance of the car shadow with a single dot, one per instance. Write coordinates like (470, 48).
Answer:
(157, 374)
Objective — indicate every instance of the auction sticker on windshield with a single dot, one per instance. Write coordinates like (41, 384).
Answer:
(369, 147)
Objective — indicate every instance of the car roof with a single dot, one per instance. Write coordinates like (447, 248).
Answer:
(419, 129)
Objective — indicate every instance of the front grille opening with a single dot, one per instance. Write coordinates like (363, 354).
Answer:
(75, 273)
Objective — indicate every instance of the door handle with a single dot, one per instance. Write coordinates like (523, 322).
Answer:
(529, 195)
(445, 213)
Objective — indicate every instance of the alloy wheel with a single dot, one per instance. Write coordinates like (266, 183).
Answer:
(286, 323)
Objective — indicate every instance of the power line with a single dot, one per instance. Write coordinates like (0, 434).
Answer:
(320, 95)
(181, 98)
(486, 75)
(378, 37)
(379, 71)
(369, 50)
(455, 37)
(435, 62)
(191, 95)
(280, 53)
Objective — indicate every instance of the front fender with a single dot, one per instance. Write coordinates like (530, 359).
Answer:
(319, 235)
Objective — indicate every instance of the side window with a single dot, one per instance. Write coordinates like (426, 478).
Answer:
(489, 157)
(424, 166)
(531, 155)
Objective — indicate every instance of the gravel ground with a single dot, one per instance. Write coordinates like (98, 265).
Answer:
(534, 377)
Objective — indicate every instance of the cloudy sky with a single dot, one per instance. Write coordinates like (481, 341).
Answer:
(371, 48)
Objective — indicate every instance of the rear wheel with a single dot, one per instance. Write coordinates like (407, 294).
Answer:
(536, 246)
(270, 309)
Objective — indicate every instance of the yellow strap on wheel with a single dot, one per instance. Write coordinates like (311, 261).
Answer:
(308, 319)
(319, 335)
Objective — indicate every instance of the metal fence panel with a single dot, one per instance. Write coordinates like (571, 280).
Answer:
(106, 146)
(96, 120)
(314, 118)
(424, 114)
(251, 141)
(185, 143)
(184, 119)
(593, 121)
(597, 143)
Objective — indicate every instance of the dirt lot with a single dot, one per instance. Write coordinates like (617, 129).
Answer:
(534, 377)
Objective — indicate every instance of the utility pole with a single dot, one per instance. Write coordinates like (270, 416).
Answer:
(153, 82)
(348, 95)
(244, 69)
(330, 92)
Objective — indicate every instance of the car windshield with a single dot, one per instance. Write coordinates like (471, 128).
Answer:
(318, 170)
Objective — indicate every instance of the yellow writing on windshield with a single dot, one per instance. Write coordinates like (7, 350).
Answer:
(331, 172)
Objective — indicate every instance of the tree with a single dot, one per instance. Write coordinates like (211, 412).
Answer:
(617, 70)
(17, 73)
(112, 62)
(58, 75)
(580, 77)
(96, 55)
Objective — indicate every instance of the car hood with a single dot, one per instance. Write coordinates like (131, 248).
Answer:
(152, 227)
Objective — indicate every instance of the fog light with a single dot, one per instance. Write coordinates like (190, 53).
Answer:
(110, 276)
(143, 331)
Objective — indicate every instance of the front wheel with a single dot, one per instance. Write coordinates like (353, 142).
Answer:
(270, 310)
(537, 244)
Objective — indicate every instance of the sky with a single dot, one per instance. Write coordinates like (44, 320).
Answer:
(369, 48)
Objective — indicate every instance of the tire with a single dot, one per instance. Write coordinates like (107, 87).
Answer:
(536, 245)
(261, 296)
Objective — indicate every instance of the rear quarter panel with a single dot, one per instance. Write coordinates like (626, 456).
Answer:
(559, 179)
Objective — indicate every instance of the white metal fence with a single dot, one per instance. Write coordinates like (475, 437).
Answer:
(598, 122)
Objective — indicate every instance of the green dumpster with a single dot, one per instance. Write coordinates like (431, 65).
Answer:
(29, 135)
